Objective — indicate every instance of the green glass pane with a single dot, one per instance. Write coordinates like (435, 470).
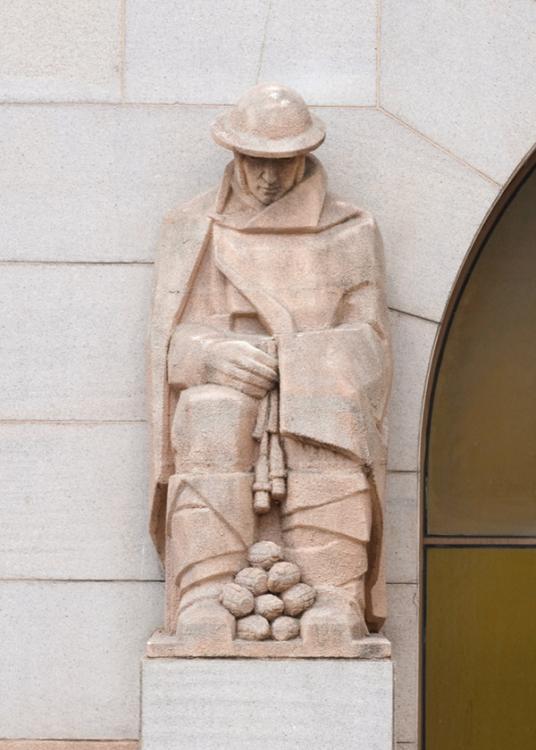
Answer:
(481, 467)
(480, 649)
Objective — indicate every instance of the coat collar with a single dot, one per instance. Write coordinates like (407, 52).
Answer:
(305, 208)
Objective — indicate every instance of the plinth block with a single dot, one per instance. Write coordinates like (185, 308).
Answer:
(371, 647)
(245, 704)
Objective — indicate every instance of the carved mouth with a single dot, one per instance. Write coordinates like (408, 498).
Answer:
(270, 195)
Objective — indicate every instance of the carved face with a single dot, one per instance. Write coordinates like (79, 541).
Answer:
(269, 179)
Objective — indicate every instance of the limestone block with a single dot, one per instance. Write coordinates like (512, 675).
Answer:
(329, 56)
(209, 704)
(68, 745)
(402, 628)
(89, 196)
(57, 50)
(476, 98)
(74, 502)
(177, 53)
(402, 528)
(70, 657)
(428, 205)
(412, 346)
(73, 344)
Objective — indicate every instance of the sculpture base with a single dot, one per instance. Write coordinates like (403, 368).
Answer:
(168, 646)
(245, 704)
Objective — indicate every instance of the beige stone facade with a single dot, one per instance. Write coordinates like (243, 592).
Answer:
(105, 113)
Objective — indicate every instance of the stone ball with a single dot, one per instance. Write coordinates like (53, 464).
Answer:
(253, 628)
(285, 628)
(237, 599)
(253, 579)
(264, 554)
(298, 598)
(269, 606)
(282, 576)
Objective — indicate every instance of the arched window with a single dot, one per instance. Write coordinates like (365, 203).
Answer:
(479, 521)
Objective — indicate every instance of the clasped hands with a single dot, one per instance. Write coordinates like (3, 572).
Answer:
(242, 366)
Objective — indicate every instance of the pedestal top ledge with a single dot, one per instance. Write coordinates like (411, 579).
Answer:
(371, 647)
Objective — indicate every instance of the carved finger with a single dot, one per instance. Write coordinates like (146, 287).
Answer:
(250, 378)
(219, 377)
(240, 380)
(260, 356)
(266, 359)
(249, 390)
(267, 374)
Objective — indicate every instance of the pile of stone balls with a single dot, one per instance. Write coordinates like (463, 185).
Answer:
(267, 598)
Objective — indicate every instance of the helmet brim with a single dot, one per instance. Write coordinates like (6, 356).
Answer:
(272, 148)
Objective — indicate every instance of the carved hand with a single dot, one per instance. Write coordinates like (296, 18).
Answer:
(240, 365)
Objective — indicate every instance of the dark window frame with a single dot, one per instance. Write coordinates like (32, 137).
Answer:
(494, 215)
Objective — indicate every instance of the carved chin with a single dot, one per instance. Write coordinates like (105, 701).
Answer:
(268, 197)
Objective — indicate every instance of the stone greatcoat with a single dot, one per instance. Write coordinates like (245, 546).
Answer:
(218, 260)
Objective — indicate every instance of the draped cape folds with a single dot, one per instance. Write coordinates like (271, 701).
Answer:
(338, 403)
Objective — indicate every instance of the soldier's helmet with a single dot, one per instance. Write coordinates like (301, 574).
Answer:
(271, 121)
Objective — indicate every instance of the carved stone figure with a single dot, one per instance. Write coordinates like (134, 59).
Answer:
(270, 374)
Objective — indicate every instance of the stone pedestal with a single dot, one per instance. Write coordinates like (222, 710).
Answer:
(246, 704)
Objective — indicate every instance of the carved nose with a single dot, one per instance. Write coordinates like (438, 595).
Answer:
(269, 175)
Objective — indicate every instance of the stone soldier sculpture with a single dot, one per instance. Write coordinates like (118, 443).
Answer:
(270, 375)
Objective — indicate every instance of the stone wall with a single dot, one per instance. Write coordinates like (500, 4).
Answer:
(104, 116)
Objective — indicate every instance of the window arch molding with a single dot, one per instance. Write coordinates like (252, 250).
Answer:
(526, 170)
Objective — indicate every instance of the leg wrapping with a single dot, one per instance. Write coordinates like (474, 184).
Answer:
(210, 525)
(326, 523)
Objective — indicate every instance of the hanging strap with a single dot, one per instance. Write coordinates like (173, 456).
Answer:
(270, 470)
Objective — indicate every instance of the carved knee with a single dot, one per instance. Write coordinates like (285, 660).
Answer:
(212, 430)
